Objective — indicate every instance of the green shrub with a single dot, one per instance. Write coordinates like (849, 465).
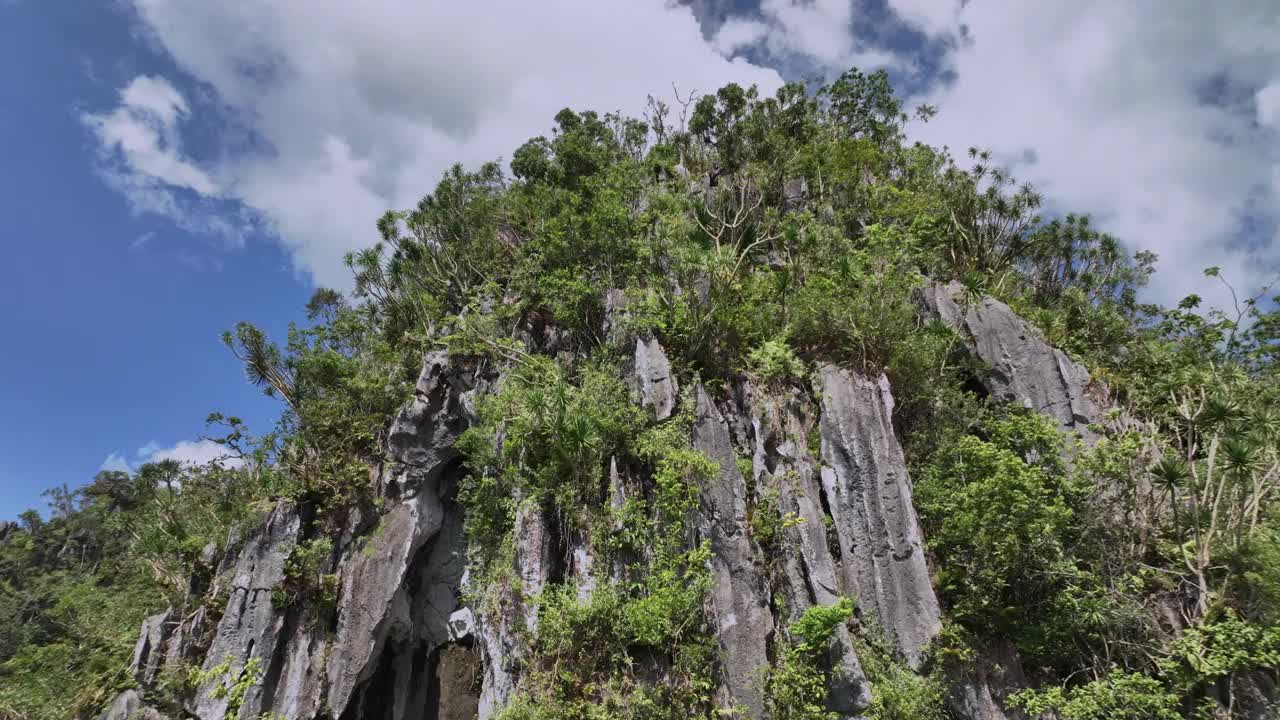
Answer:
(1119, 695)
(797, 688)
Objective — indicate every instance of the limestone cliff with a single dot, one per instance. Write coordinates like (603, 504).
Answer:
(401, 643)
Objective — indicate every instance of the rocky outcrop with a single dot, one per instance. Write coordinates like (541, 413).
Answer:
(980, 688)
(499, 650)
(613, 327)
(1021, 367)
(739, 598)
(401, 586)
(421, 439)
(391, 621)
(864, 475)
(652, 380)
(251, 625)
(398, 644)
(454, 683)
(500, 627)
(784, 468)
(1018, 366)
(376, 602)
(128, 705)
(148, 655)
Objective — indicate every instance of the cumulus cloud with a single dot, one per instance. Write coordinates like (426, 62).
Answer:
(357, 108)
(190, 452)
(1268, 102)
(140, 155)
(930, 16)
(115, 462)
(1160, 118)
(821, 31)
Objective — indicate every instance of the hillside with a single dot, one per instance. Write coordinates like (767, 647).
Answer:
(746, 408)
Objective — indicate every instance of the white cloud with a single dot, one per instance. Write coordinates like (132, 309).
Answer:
(360, 107)
(187, 452)
(140, 155)
(190, 452)
(1157, 117)
(1268, 102)
(736, 34)
(142, 134)
(930, 16)
(1142, 113)
(820, 31)
(115, 462)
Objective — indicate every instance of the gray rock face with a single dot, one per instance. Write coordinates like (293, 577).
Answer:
(621, 490)
(865, 479)
(533, 556)
(783, 465)
(128, 705)
(422, 435)
(613, 327)
(148, 655)
(1023, 367)
(499, 630)
(461, 624)
(652, 380)
(297, 677)
(794, 194)
(400, 588)
(980, 689)
(739, 602)
(499, 652)
(250, 626)
(399, 646)
(375, 602)
(582, 564)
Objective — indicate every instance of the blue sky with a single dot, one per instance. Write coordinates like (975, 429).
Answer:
(110, 346)
(171, 167)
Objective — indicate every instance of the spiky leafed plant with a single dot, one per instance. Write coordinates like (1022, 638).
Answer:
(264, 365)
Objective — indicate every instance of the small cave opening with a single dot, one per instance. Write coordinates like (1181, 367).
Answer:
(376, 700)
(453, 682)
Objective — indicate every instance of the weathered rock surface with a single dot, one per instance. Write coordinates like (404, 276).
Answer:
(794, 194)
(128, 705)
(499, 651)
(148, 655)
(399, 645)
(653, 382)
(614, 324)
(375, 602)
(784, 466)
(455, 683)
(1023, 367)
(979, 690)
(250, 626)
(739, 602)
(1020, 368)
(422, 435)
(400, 588)
(865, 478)
(499, 630)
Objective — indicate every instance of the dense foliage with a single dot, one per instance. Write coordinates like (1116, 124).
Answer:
(74, 588)
(754, 236)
